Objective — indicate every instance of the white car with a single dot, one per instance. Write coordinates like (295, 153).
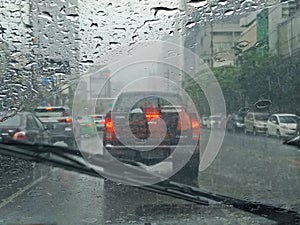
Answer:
(204, 121)
(256, 122)
(214, 121)
(282, 125)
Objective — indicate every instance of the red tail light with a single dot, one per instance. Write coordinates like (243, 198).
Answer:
(66, 120)
(151, 113)
(20, 136)
(195, 129)
(109, 129)
(89, 125)
(102, 121)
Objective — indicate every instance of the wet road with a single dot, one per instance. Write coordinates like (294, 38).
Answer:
(248, 167)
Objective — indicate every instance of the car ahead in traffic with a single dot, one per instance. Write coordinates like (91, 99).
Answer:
(282, 125)
(152, 122)
(87, 125)
(256, 122)
(99, 121)
(204, 120)
(24, 126)
(235, 123)
(214, 121)
(62, 126)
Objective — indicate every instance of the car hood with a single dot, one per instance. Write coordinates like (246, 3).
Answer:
(289, 125)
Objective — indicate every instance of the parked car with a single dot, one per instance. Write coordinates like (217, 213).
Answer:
(235, 123)
(88, 126)
(256, 122)
(214, 121)
(282, 125)
(61, 125)
(99, 121)
(24, 127)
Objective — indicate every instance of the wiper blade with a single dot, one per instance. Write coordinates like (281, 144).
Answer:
(69, 159)
(277, 214)
(72, 160)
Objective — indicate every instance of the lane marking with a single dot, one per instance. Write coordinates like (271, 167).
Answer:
(24, 189)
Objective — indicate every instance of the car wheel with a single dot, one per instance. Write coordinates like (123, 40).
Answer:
(234, 129)
(278, 135)
(254, 131)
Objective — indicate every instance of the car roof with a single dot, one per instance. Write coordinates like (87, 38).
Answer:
(283, 114)
(53, 107)
(259, 113)
(155, 93)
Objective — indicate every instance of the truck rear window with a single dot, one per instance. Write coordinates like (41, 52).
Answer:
(47, 112)
(11, 122)
(128, 102)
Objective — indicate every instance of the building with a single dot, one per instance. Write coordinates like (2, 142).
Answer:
(215, 42)
(289, 36)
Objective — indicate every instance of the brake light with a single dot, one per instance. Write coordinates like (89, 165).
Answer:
(195, 129)
(102, 122)
(89, 124)
(109, 129)
(66, 120)
(20, 136)
(151, 113)
(108, 123)
(152, 116)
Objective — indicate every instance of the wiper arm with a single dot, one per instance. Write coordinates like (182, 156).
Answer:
(69, 159)
(277, 214)
(72, 160)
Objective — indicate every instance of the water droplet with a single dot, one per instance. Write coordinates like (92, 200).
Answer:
(228, 12)
(63, 10)
(190, 24)
(120, 29)
(114, 44)
(197, 3)
(222, 2)
(46, 15)
(158, 11)
(94, 24)
(72, 17)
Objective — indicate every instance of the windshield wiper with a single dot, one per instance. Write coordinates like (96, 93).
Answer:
(69, 159)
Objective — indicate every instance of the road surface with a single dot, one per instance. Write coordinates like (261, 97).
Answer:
(248, 167)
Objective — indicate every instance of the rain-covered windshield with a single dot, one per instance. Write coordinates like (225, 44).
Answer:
(187, 91)
(261, 117)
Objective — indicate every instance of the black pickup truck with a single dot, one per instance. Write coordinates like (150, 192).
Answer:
(146, 127)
